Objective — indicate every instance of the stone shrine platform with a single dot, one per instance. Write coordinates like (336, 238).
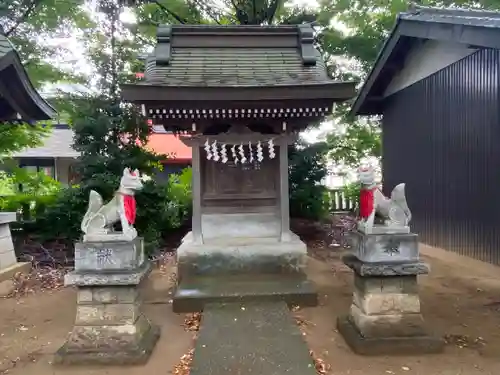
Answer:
(194, 294)
(242, 258)
(240, 244)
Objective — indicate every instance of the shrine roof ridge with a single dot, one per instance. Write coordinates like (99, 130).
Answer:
(254, 29)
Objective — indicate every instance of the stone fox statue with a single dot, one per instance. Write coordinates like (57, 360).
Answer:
(100, 218)
(394, 210)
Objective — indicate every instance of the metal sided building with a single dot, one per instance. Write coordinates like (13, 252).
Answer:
(436, 84)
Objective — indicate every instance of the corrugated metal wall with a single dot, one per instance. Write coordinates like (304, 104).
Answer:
(442, 137)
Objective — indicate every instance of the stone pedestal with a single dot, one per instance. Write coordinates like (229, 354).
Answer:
(242, 258)
(385, 247)
(110, 327)
(385, 317)
(9, 265)
(235, 244)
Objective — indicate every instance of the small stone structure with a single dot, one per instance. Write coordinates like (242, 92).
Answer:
(238, 96)
(110, 327)
(385, 316)
(8, 261)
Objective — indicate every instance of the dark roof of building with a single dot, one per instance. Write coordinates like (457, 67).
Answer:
(474, 28)
(18, 98)
(202, 58)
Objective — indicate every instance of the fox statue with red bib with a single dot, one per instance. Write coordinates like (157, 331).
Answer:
(100, 218)
(393, 210)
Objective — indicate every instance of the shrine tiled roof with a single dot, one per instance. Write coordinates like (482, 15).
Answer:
(235, 56)
(18, 98)
(199, 72)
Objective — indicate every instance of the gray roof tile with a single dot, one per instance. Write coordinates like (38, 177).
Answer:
(56, 145)
(203, 65)
(456, 16)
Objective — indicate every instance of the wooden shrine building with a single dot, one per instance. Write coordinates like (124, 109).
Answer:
(18, 98)
(239, 95)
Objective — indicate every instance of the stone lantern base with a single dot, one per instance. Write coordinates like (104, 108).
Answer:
(109, 327)
(385, 316)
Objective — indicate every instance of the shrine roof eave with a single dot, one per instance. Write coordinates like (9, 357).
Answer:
(20, 99)
(334, 91)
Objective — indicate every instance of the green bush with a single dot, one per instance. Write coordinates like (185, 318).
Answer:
(38, 192)
(307, 168)
(161, 207)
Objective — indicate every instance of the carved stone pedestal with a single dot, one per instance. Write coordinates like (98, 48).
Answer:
(385, 317)
(110, 327)
(9, 265)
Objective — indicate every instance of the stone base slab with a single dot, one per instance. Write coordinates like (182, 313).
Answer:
(385, 269)
(192, 295)
(385, 248)
(383, 229)
(408, 345)
(235, 256)
(137, 354)
(387, 325)
(110, 278)
(8, 272)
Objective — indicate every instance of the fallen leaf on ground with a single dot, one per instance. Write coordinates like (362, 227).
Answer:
(184, 365)
(319, 364)
(192, 322)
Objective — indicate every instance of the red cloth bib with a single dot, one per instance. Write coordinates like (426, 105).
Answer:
(130, 208)
(366, 202)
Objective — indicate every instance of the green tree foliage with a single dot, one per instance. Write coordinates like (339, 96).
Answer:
(356, 31)
(109, 135)
(308, 197)
(30, 23)
(16, 137)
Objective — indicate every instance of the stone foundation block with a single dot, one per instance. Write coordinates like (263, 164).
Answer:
(107, 314)
(107, 346)
(398, 345)
(381, 284)
(387, 325)
(118, 336)
(389, 303)
(111, 294)
(98, 256)
(387, 248)
(236, 256)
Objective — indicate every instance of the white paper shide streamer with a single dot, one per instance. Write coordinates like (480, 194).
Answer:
(214, 151)
(243, 159)
(270, 144)
(223, 152)
(207, 150)
(235, 155)
(260, 155)
(250, 153)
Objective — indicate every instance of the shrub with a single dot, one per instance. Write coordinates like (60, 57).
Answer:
(38, 191)
(307, 168)
(161, 207)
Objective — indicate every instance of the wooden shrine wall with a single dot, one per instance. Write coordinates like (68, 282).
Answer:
(235, 187)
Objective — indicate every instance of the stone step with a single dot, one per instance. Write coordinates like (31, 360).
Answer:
(193, 294)
(250, 339)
